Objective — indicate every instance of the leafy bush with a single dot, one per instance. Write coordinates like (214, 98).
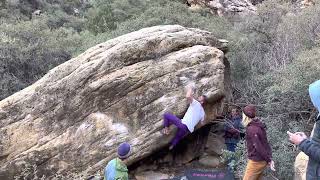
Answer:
(275, 56)
(150, 13)
(236, 160)
(101, 19)
(29, 49)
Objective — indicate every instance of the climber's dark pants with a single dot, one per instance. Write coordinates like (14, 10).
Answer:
(182, 128)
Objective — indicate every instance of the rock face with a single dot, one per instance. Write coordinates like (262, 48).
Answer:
(151, 175)
(215, 143)
(73, 119)
(307, 3)
(213, 147)
(224, 7)
(184, 156)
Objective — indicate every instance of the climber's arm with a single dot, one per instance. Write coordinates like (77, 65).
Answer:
(189, 95)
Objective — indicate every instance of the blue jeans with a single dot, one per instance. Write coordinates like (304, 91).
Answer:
(231, 147)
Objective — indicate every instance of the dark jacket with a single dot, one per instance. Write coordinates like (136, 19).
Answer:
(231, 135)
(257, 143)
(311, 147)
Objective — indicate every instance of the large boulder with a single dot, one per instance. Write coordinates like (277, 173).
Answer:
(210, 161)
(215, 143)
(73, 119)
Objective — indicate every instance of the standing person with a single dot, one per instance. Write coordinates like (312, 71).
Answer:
(116, 168)
(194, 114)
(311, 147)
(258, 148)
(232, 130)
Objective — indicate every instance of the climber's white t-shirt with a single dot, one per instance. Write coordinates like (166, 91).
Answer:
(194, 114)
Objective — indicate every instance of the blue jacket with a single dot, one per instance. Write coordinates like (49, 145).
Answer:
(116, 170)
(231, 136)
(311, 147)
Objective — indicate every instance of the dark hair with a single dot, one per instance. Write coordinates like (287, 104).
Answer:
(205, 98)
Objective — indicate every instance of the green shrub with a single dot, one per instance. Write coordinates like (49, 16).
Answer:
(29, 49)
(101, 19)
(236, 160)
(274, 57)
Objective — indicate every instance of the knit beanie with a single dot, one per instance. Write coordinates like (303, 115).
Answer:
(124, 150)
(314, 92)
(250, 111)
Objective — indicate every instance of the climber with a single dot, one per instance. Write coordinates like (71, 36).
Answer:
(258, 148)
(116, 168)
(232, 130)
(311, 147)
(194, 114)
